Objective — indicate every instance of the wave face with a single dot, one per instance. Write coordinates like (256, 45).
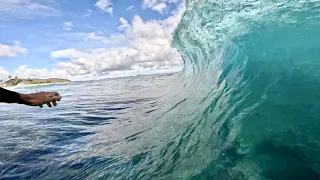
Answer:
(252, 73)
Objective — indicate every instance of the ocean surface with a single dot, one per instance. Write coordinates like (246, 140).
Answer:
(245, 106)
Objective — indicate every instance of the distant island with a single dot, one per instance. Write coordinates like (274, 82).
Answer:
(33, 82)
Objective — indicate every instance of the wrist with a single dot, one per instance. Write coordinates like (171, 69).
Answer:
(24, 99)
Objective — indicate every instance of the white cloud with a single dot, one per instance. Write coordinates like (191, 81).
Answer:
(25, 72)
(71, 53)
(124, 23)
(4, 74)
(129, 8)
(158, 5)
(113, 39)
(105, 6)
(88, 13)
(17, 42)
(149, 49)
(28, 8)
(13, 50)
(67, 26)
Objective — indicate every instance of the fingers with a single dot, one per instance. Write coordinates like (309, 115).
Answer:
(49, 104)
(49, 98)
(58, 98)
(55, 96)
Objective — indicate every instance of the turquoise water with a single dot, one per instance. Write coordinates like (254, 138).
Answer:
(260, 63)
(245, 106)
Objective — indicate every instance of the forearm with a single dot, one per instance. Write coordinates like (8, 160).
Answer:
(9, 96)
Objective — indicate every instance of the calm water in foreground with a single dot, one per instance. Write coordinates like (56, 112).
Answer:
(89, 134)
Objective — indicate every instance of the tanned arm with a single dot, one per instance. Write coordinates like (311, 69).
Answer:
(33, 99)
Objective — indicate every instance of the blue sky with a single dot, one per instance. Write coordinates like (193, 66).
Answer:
(73, 38)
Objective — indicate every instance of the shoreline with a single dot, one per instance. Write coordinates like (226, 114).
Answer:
(31, 85)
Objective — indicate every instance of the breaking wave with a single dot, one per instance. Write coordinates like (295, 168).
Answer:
(245, 106)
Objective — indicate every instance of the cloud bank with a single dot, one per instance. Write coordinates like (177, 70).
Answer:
(148, 48)
(138, 47)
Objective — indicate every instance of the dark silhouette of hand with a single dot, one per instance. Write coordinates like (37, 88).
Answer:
(40, 98)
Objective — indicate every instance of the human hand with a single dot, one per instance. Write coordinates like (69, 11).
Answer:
(40, 98)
